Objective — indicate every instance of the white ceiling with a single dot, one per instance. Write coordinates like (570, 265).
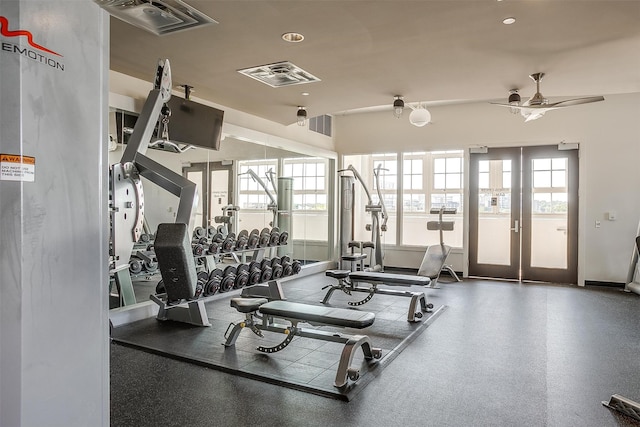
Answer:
(365, 52)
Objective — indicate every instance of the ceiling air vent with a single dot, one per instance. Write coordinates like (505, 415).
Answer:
(159, 17)
(279, 74)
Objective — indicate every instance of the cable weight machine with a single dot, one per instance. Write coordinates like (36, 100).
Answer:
(377, 226)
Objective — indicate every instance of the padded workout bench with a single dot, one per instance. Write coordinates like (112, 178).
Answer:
(296, 313)
(348, 282)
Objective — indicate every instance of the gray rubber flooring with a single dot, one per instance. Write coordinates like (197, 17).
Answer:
(305, 364)
(502, 354)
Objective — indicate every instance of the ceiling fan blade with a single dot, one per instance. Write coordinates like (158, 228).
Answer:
(576, 101)
(504, 105)
(534, 115)
(544, 107)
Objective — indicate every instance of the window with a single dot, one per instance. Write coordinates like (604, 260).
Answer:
(309, 204)
(550, 186)
(309, 183)
(448, 176)
(388, 181)
(431, 180)
(413, 195)
(423, 181)
(251, 194)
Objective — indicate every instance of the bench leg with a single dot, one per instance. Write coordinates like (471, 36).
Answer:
(327, 296)
(345, 372)
(413, 306)
(232, 336)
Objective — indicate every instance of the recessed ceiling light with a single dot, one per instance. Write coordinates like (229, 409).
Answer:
(305, 94)
(292, 37)
(508, 21)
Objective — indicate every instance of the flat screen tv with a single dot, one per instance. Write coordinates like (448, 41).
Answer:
(194, 124)
(190, 123)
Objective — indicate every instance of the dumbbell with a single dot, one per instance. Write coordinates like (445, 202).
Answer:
(198, 291)
(228, 279)
(214, 248)
(160, 288)
(264, 238)
(222, 230)
(242, 276)
(197, 248)
(213, 284)
(296, 266)
(211, 230)
(203, 278)
(255, 272)
(199, 233)
(229, 243)
(287, 267)
(135, 265)
(274, 237)
(203, 241)
(252, 240)
(241, 242)
(276, 268)
(284, 238)
(150, 266)
(267, 273)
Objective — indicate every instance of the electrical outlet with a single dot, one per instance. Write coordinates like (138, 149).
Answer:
(597, 224)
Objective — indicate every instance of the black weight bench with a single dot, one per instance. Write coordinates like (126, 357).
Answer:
(348, 282)
(296, 313)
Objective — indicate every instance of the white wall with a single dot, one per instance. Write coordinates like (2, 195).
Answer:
(609, 137)
(54, 331)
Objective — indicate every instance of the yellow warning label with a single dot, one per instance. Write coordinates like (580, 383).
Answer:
(14, 158)
(14, 167)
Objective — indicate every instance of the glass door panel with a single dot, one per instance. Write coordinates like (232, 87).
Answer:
(197, 178)
(494, 214)
(550, 214)
(219, 194)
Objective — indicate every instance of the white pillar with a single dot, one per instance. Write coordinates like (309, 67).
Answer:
(54, 334)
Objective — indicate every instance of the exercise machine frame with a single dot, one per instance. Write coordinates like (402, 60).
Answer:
(263, 305)
(348, 283)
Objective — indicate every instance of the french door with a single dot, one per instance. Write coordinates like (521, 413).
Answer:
(215, 189)
(523, 214)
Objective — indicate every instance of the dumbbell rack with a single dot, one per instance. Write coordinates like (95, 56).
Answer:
(212, 245)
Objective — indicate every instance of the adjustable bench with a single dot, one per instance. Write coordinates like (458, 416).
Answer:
(348, 282)
(295, 313)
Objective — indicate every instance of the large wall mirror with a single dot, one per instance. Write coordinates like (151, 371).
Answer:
(241, 188)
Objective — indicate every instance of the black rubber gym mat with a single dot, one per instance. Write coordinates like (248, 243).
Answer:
(306, 364)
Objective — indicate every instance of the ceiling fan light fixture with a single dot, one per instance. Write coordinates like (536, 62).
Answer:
(420, 117)
(301, 116)
(514, 100)
(398, 106)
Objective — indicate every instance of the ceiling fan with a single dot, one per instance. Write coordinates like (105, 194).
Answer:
(537, 105)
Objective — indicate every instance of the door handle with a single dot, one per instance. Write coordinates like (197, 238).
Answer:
(516, 226)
